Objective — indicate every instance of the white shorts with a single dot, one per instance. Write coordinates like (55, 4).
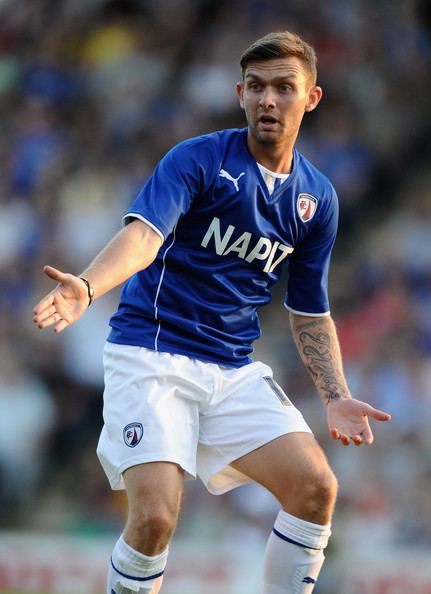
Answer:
(201, 416)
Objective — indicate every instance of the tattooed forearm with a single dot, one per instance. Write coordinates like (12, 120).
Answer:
(318, 347)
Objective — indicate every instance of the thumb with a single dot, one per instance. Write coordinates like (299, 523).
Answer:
(376, 414)
(54, 273)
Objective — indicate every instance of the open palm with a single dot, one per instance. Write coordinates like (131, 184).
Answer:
(63, 305)
(348, 420)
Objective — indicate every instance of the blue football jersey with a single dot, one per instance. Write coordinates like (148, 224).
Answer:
(226, 241)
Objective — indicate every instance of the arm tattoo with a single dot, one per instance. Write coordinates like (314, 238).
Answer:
(318, 348)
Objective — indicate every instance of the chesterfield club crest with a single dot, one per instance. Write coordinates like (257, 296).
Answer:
(306, 206)
(132, 434)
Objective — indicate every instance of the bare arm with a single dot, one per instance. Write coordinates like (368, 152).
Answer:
(317, 343)
(132, 249)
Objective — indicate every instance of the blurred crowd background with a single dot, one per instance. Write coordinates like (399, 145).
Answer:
(92, 94)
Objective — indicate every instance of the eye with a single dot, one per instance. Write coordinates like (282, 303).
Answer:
(253, 86)
(285, 88)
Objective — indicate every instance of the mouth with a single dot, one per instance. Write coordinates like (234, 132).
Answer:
(268, 122)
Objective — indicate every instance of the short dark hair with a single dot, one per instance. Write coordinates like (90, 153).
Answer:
(280, 44)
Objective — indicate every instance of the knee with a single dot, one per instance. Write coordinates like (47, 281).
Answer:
(319, 494)
(151, 528)
(158, 522)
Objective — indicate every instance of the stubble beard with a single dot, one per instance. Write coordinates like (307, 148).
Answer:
(266, 139)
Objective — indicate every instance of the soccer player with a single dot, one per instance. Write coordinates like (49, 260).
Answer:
(202, 245)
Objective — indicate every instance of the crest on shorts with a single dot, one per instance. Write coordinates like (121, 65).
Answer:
(132, 434)
(306, 205)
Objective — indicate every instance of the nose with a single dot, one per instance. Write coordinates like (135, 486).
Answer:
(267, 98)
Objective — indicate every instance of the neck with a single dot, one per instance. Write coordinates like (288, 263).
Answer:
(278, 159)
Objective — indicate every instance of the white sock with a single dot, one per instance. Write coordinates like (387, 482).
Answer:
(133, 572)
(294, 555)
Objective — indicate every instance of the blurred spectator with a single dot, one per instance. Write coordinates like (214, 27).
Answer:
(27, 417)
(37, 148)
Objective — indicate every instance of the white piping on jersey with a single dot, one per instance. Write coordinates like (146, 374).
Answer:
(310, 315)
(156, 310)
(133, 215)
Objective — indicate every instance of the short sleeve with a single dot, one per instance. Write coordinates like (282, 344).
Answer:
(177, 179)
(307, 283)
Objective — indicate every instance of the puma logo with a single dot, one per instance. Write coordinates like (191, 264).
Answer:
(234, 180)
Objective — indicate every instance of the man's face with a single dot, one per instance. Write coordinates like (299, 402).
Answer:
(275, 94)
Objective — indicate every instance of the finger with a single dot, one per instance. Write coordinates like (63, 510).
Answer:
(54, 273)
(380, 415)
(61, 308)
(376, 414)
(367, 434)
(345, 440)
(50, 320)
(61, 326)
(335, 433)
(368, 437)
(43, 304)
(45, 313)
(357, 440)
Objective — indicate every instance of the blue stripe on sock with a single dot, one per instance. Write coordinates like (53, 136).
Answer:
(138, 579)
(295, 542)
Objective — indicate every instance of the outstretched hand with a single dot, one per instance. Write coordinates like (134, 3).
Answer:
(348, 421)
(63, 305)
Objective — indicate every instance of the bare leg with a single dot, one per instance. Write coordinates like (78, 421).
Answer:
(295, 470)
(154, 492)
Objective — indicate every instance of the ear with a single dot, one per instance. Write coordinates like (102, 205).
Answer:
(240, 93)
(314, 96)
